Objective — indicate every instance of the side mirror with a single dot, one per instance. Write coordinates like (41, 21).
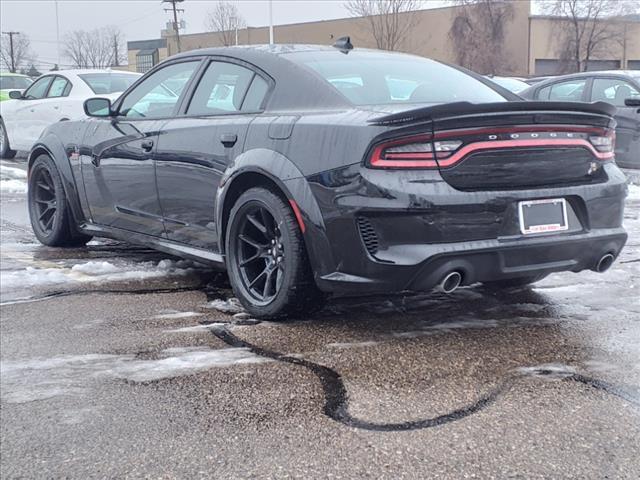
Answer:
(15, 94)
(98, 107)
(632, 102)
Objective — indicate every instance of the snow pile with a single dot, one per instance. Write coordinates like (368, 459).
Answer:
(42, 378)
(12, 180)
(634, 192)
(231, 305)
(93, 271)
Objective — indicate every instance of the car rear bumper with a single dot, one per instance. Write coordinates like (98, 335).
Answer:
(481, 261)
(395, 231)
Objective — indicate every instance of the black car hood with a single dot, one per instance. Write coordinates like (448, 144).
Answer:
(457, 109)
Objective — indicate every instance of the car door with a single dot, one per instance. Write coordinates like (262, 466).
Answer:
(27, 121)
(56, 107)
(195, 149)
(119, 174)
(615, 90)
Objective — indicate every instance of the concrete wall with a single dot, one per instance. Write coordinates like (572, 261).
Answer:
(429, 37)
(546, 41)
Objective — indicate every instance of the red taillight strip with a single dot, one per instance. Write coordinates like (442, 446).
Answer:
(542, 142)
(418, 159)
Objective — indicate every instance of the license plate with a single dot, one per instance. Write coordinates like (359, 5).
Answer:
(543, 216)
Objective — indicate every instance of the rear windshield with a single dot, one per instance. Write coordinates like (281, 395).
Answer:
(375, 78)
(104, 83)
(17, 83)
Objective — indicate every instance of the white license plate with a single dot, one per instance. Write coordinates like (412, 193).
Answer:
(543, 216)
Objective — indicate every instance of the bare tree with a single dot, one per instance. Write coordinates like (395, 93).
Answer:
(99, 48)
(389, 20)
(478, 34)
(226, 20)
(22, 55)
(587, 28)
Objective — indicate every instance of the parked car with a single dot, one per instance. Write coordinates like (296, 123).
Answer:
(301, 171)
(514, 85)
(619, 88)
(534, 80)
(12, 81)
(54, 97)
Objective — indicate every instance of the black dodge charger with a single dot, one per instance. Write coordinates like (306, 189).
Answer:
(309, 170)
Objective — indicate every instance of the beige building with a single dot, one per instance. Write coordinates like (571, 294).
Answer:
(530, 42)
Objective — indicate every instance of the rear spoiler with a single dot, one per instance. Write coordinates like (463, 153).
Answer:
(456, 109)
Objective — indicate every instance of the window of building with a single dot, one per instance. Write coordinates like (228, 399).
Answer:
(633, 64)
(146, 59)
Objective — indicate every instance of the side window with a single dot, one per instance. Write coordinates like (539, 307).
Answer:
(59, 88)
(158, 94)
(221, 89)
(543, 93)
(255, 96)
(613, 90)
(569, 91)
(38, 89)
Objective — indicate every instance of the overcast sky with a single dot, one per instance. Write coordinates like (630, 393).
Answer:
(140, 19)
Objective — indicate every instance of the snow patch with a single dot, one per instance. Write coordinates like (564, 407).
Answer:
(44, 378)
(232, 305)
(177, 315)
(93, 271)
(12, 180)
(549, 370)
(195, 328)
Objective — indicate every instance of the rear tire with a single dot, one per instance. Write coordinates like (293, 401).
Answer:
(513, 282)
(49, 209)
(266, 258)
(5, 148)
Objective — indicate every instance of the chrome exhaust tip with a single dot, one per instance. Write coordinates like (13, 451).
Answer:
(604, 263)
(450, 282)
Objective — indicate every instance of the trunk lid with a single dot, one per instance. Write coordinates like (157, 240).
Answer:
(514, 145)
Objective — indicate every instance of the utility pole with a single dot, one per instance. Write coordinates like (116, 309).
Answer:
(176, 27)
(13, 60)
(115, 50)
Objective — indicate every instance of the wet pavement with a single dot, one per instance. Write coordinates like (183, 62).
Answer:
(120, 362)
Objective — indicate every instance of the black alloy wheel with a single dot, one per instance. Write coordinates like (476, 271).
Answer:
(266, 257)
(44, 198)
(49, 210)
(261, 255)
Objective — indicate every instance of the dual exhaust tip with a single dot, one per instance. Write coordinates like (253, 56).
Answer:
(452, 280)
(604, 263)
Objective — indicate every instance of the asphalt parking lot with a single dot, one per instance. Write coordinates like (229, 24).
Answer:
(119, 362)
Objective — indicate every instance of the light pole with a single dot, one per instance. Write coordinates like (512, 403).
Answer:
(270, 22)
(57, 33)
(234, 19)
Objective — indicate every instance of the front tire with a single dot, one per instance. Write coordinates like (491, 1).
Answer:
(266, 257)
(5, 148)
(49, 209)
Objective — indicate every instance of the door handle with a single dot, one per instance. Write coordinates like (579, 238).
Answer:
(228, 139)
(147, 145)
